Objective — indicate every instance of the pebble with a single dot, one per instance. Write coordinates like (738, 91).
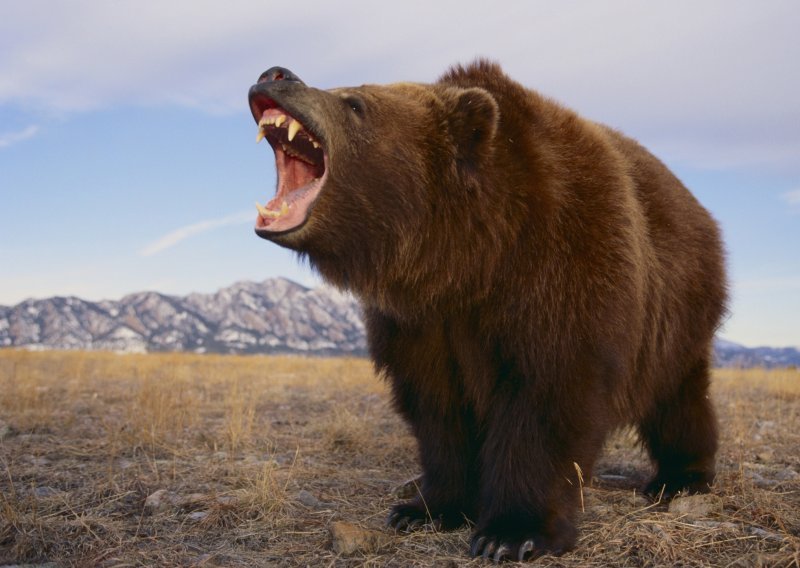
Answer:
(227, 500)
(766, 455)
(348, 538)
(164, 499)
(787, 474)
(696, 506)
(765, 534)
(44, 491)
(158, 500)
(188, 500)
(305, 498)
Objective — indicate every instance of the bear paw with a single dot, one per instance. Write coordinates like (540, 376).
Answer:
(665, 487)
(413, 515)
(500, 543)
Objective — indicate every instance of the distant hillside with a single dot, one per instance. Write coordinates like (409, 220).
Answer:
(274, 316)
(729, 354)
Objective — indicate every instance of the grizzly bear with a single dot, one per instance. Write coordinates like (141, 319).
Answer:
(530, 280)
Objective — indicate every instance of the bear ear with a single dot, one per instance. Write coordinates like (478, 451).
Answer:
(472, 121)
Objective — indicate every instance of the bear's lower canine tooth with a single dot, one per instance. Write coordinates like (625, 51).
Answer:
(263, 211)
(269, 214)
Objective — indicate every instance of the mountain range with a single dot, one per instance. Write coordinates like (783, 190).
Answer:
(274, 316)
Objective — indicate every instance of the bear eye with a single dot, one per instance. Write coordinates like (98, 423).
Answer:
(355, 104)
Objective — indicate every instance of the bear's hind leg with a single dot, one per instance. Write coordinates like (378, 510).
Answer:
(681, 437)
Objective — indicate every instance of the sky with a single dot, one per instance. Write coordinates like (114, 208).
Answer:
(128, 159)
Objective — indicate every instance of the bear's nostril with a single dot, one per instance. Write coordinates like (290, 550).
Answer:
(278, 74)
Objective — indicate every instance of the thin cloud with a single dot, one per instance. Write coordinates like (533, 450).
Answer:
(174, 237)
(792, 197)
(9, 138)
(706, 88)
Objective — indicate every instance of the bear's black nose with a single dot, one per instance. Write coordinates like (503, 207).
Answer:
(278, 74)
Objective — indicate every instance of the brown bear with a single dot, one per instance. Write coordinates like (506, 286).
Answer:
(530, 281)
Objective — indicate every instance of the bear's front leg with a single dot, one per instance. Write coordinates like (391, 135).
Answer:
(529, 483)
(448, 488)
(428, 393)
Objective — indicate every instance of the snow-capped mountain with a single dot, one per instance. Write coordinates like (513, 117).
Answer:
(274, 316)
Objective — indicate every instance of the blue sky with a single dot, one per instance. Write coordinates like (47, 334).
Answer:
(128, 157)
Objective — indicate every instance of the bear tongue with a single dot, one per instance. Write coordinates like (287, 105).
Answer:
(293, 173)
(297, 189)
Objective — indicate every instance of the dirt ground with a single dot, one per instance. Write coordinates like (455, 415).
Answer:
(186, 460)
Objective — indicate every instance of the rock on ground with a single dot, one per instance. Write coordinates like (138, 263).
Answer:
(696, 506)
(348, 538)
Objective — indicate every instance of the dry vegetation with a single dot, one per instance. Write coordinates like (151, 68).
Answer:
(180, 460)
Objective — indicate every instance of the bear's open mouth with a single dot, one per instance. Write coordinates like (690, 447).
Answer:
(301, 165)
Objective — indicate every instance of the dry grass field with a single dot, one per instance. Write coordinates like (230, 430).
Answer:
(183, 460)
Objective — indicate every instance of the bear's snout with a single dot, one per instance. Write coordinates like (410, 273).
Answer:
(278, 74)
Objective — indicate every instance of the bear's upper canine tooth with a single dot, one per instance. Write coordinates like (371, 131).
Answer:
(260, 135)
(263, 122)
(294, 128)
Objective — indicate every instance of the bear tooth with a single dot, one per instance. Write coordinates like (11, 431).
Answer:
(280, 120)
(315, 143)
(263, 122)
(284, 208)
(294, 128)
(266, 213)
(260, 135)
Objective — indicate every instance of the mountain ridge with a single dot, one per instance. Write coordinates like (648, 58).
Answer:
(273, 316)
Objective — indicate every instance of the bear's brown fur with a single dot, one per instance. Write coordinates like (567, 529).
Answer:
(530, 280)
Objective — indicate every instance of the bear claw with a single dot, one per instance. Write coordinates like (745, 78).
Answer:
(664, 488)
(477, 546)
(503, 551)
(525, 549)
(404, 523)
(412, 516)
(490, 549)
